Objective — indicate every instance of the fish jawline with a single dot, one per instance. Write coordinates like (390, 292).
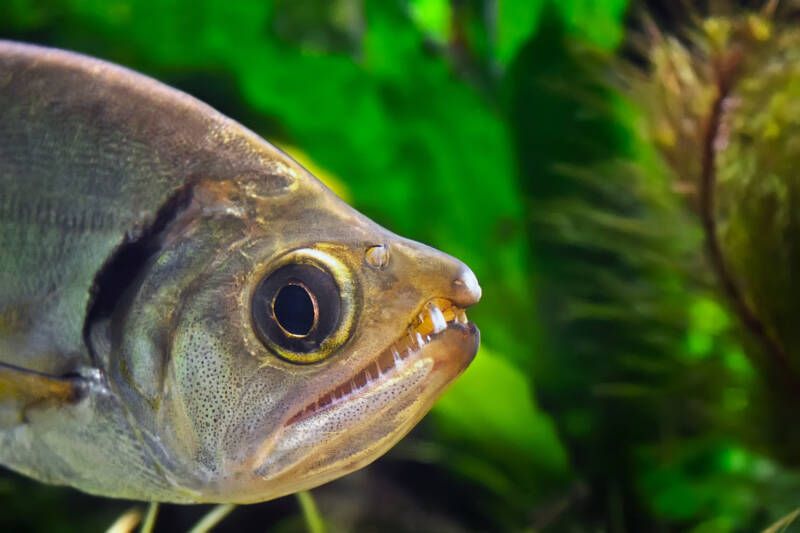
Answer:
(397, 356)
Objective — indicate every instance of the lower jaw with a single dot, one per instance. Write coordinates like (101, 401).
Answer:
(348, 435)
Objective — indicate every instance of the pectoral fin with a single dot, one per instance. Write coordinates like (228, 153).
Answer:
(22, 389)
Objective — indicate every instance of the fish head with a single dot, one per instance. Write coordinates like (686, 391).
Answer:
(298, 340)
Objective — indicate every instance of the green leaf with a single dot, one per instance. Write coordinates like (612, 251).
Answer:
(517, 20)
(598, 23)
(432, 17)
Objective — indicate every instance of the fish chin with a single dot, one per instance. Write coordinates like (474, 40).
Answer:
(353, 424)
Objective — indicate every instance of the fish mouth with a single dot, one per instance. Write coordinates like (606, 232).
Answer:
(436, 316)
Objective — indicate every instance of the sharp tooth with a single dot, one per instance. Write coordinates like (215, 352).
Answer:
(461, 317)
(439, 323)
(397, 359)
(408, 353)
(420, 341)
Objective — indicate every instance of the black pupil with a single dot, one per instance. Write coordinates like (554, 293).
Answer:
(294, 309)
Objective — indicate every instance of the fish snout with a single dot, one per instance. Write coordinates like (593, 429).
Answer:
(466, 289)
(440, 274)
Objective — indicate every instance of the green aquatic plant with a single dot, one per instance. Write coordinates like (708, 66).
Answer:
(722, 110)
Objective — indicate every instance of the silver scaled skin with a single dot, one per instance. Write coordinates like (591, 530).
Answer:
(145, 244)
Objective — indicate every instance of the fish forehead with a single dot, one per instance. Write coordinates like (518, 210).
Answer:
(311, 212)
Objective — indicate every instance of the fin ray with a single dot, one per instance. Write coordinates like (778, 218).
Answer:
(22, 389)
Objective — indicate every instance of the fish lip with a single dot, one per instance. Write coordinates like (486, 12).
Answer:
(395, 356)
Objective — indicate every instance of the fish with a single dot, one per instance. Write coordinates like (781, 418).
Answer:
(188, 315)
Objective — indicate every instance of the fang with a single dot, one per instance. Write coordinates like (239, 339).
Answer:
(439, 323)
(420, 340)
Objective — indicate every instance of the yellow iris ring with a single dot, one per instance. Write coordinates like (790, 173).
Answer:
(343, 278)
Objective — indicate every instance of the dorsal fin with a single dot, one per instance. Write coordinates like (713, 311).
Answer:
(22, 389)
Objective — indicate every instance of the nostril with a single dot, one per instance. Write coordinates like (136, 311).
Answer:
(467, 289)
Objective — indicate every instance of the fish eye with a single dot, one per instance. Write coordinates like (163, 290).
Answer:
(299, 310)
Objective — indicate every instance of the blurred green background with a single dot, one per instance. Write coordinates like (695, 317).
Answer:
(612, 391)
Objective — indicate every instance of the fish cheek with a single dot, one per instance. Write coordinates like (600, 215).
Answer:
(210, 369)
(230, 402)
(269, 394)
(205, 384)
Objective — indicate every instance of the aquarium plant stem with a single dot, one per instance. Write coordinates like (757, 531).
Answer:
(310, 512)
(727, 67)
(150, 518)
(212, 518)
